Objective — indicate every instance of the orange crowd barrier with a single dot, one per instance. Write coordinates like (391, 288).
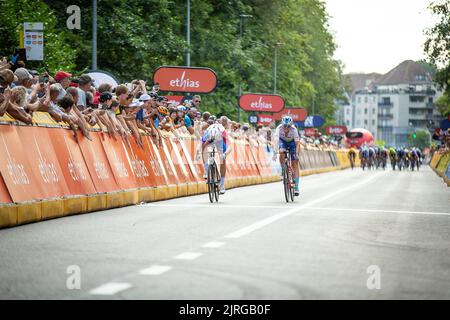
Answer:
(42, 164)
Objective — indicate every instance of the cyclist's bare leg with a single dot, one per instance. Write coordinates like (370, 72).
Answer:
(282, 155)
(295, 168)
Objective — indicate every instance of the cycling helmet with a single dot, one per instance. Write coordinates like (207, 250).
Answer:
(181, 108)
(214, 132)
(287, 121)
(163, 110)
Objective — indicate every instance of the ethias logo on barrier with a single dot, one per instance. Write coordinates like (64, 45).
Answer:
(261, 102)
(185, 79)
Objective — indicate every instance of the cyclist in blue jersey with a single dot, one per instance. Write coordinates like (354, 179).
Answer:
(287, 138)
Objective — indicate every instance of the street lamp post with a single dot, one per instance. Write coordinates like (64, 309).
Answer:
(241, 18)
(94, 34)
(188, 34)
(275, 67)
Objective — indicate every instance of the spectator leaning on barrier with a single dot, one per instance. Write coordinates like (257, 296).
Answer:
(62, 79)
(143, 117)
(24, 78)
(82, 119)
(84, 85)
(15, 104)
(189, 119)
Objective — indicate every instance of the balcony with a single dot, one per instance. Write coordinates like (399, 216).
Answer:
(418, 105)
(385, 104)
(428, 92)
(385, 128)
(385, 116)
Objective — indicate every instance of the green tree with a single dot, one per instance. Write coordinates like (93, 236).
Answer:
(437, 47)
(137, 36)
(420, 139)
(58, 54)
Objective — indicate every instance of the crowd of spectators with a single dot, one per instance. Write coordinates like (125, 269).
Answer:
(443, 136)
(124, 111)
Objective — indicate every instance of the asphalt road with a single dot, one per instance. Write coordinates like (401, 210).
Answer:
(392, 228)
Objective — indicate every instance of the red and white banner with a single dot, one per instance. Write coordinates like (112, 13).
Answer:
(185, 79)
(261, 102)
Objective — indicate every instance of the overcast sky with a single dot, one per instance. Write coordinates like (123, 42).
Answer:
(377, 35)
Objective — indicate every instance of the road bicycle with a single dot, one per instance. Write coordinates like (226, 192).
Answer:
(213, 179)
(288, 177)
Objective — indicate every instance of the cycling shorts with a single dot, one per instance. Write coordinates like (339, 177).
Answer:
(291, 146)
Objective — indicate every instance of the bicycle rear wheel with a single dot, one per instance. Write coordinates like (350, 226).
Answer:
(211, 183)
(291, 185)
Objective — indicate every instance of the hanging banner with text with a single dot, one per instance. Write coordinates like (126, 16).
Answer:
(185, 79)
(311, 122)
(297, 114)
(336, 130)
(265, 119)
(261, 102)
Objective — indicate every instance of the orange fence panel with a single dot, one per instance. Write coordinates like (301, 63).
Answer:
(4, 194)
(74, 169)
(121, 165)
(29, 164)
(184, 146)
(158, 175)
(183, 158)
(98, 164)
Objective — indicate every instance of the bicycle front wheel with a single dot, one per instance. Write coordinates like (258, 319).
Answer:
(216, 184)
(211, 183)
(286, 183)
(291, 185)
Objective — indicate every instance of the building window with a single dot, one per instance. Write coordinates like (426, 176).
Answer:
(365, 122)
(359, 99)
(373, 122)
(373, 111)
(348, 122)
(347, 111)
(365, 99)
(365, 111)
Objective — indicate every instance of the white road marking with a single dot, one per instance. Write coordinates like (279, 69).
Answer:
(213, 244)
(383, 211)
(110, 288)
(188, 255)
(258, 225)
(189, 205)
(155, 270)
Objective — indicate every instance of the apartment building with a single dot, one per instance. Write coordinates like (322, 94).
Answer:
(394, 105)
